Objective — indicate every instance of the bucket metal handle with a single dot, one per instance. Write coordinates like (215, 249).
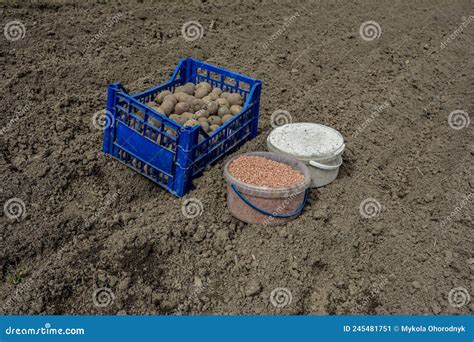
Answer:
(325, 166)
(251, 205)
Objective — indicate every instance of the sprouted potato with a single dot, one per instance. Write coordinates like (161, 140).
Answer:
(181, 107)
(226, 118)
(223, 103)
(235, 99)
(215, 120)
(235, 109)
(198, 104)
(223, 111)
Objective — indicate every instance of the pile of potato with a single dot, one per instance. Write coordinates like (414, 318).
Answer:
(198, 104)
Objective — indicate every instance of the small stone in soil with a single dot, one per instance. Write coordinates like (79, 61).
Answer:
(253, 288)
(197, 282)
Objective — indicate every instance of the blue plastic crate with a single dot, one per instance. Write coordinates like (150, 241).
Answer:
(168, 153)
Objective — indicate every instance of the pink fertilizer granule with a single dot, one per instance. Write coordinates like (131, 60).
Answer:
(261, 171)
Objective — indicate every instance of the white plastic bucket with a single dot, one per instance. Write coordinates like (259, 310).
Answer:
(319, 147)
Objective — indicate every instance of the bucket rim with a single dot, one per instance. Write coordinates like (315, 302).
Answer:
(327, 160)
(321, 157)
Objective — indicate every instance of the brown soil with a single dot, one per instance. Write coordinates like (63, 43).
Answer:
(91, 223)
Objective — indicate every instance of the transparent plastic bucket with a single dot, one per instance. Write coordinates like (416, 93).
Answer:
(264, 205)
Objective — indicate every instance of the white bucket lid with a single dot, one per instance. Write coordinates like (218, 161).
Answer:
(307, 140)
